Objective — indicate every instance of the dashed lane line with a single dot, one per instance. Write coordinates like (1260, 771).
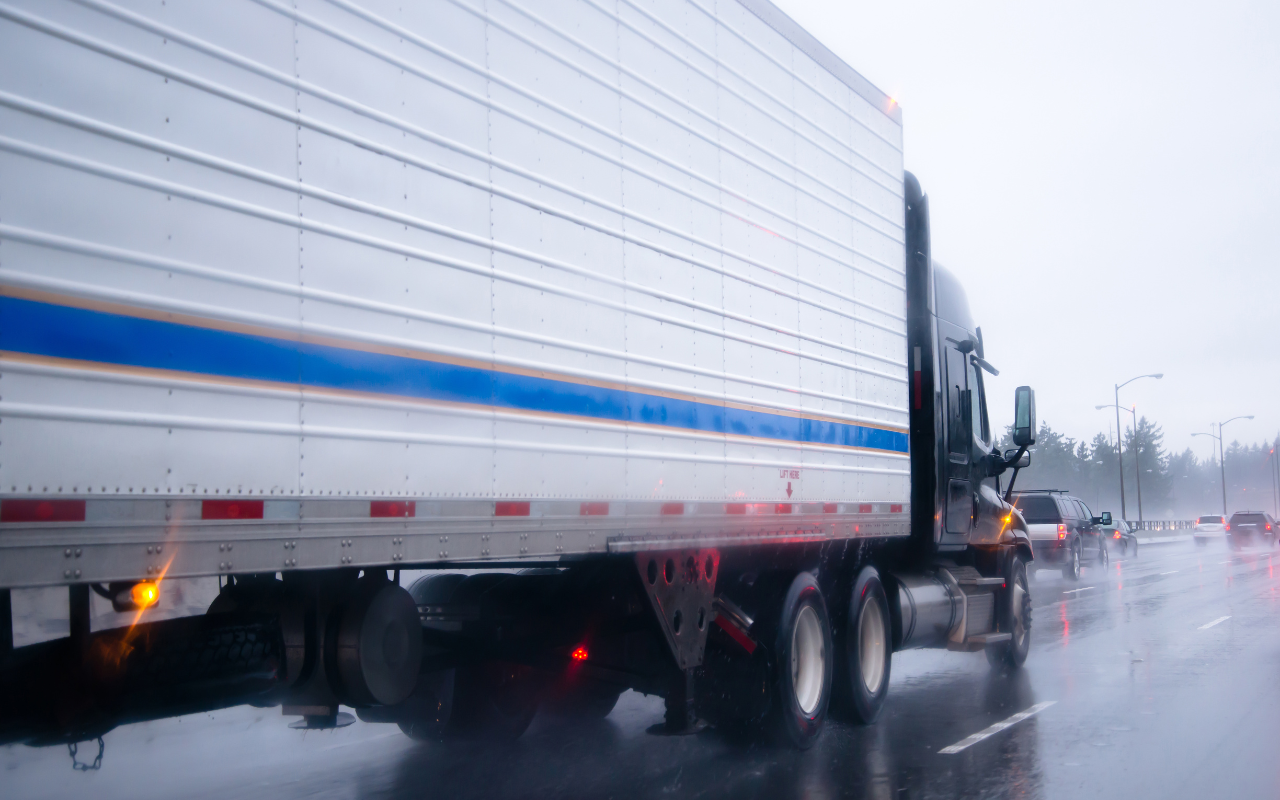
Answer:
(1073, 591)
(1215, 622)
(969, 741)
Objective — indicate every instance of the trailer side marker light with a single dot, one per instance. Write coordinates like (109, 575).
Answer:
(231, 509)
(579, 654)
(511, 509)
(42, 511)
(393, 508)
(593, 510)
(145, 594)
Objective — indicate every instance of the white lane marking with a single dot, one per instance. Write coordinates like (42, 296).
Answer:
(1170, 572)
(1073, 591)
(1228, 561)
(1215, 622)
(969, 741)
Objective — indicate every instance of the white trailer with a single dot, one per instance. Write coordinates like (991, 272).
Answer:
(323, 289)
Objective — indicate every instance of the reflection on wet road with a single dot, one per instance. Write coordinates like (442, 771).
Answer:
(1152, 678)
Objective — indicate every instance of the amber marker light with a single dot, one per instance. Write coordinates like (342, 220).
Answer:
(145, 594)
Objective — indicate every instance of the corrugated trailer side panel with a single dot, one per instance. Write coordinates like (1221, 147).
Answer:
(638, 251)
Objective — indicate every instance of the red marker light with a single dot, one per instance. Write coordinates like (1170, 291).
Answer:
(579, 655)
(1062, 531)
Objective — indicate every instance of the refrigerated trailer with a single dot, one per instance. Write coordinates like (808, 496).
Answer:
(617, 319)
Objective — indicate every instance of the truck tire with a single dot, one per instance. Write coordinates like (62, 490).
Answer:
(1071, 567)
(864, 661)
(1013, 615)
(801, 664)
(1104, 553)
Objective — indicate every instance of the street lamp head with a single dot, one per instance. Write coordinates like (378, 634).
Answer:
(1099, 408)
(1249, 417)
(1158, 375)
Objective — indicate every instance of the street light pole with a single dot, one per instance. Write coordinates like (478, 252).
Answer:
(1138, 468)
(1222, 457)
(1124, 512)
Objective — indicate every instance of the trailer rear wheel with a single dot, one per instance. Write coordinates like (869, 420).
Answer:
(867, 655)
(802, 664)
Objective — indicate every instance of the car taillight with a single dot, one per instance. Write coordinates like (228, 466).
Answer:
(1268, 526)
(1226, 527)
(1062, 531)
(1117, 534)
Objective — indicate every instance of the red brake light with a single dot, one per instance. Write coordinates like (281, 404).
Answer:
(579, 655)
(1268, 526)
(1226, 527)
(1117, 534)
(1062, 531)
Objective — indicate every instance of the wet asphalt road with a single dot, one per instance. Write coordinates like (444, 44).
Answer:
(1146, 702)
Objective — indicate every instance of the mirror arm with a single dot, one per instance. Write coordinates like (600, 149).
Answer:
(986, 365)
(1013, 478)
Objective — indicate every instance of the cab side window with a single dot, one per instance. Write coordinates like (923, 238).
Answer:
(1085, 513)
(958, 431)
(978, 404)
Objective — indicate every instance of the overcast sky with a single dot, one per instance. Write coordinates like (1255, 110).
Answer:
(1105, 178)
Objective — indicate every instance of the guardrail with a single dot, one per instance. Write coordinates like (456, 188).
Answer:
(1162, 524)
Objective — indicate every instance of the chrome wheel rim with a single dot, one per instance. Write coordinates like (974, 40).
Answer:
(808, 660)
(871, 646)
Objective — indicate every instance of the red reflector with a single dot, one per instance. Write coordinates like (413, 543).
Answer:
(865, 508)
(231, 509)
(594, 510)
(738, 636)
(830, 508)
(42, 511)
(782, 508)
(735, 508)
(672, 509)
(392, 508)
(579, 655)
(896, 508)
(511, 509)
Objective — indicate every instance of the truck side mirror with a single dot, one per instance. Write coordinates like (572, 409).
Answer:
(1106, 517)
(1024, 416)
(1023, 461)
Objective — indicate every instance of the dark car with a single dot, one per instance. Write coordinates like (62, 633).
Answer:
(1251, 528)
(1121, 535)
(1063, 531)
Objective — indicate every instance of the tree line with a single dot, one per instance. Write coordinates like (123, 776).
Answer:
(1173, 486)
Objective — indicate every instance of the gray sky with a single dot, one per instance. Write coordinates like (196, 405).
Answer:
(1105, 178)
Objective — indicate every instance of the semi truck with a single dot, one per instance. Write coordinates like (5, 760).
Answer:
(493, 357)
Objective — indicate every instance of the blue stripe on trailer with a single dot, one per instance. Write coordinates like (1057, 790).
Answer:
(83, 334)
